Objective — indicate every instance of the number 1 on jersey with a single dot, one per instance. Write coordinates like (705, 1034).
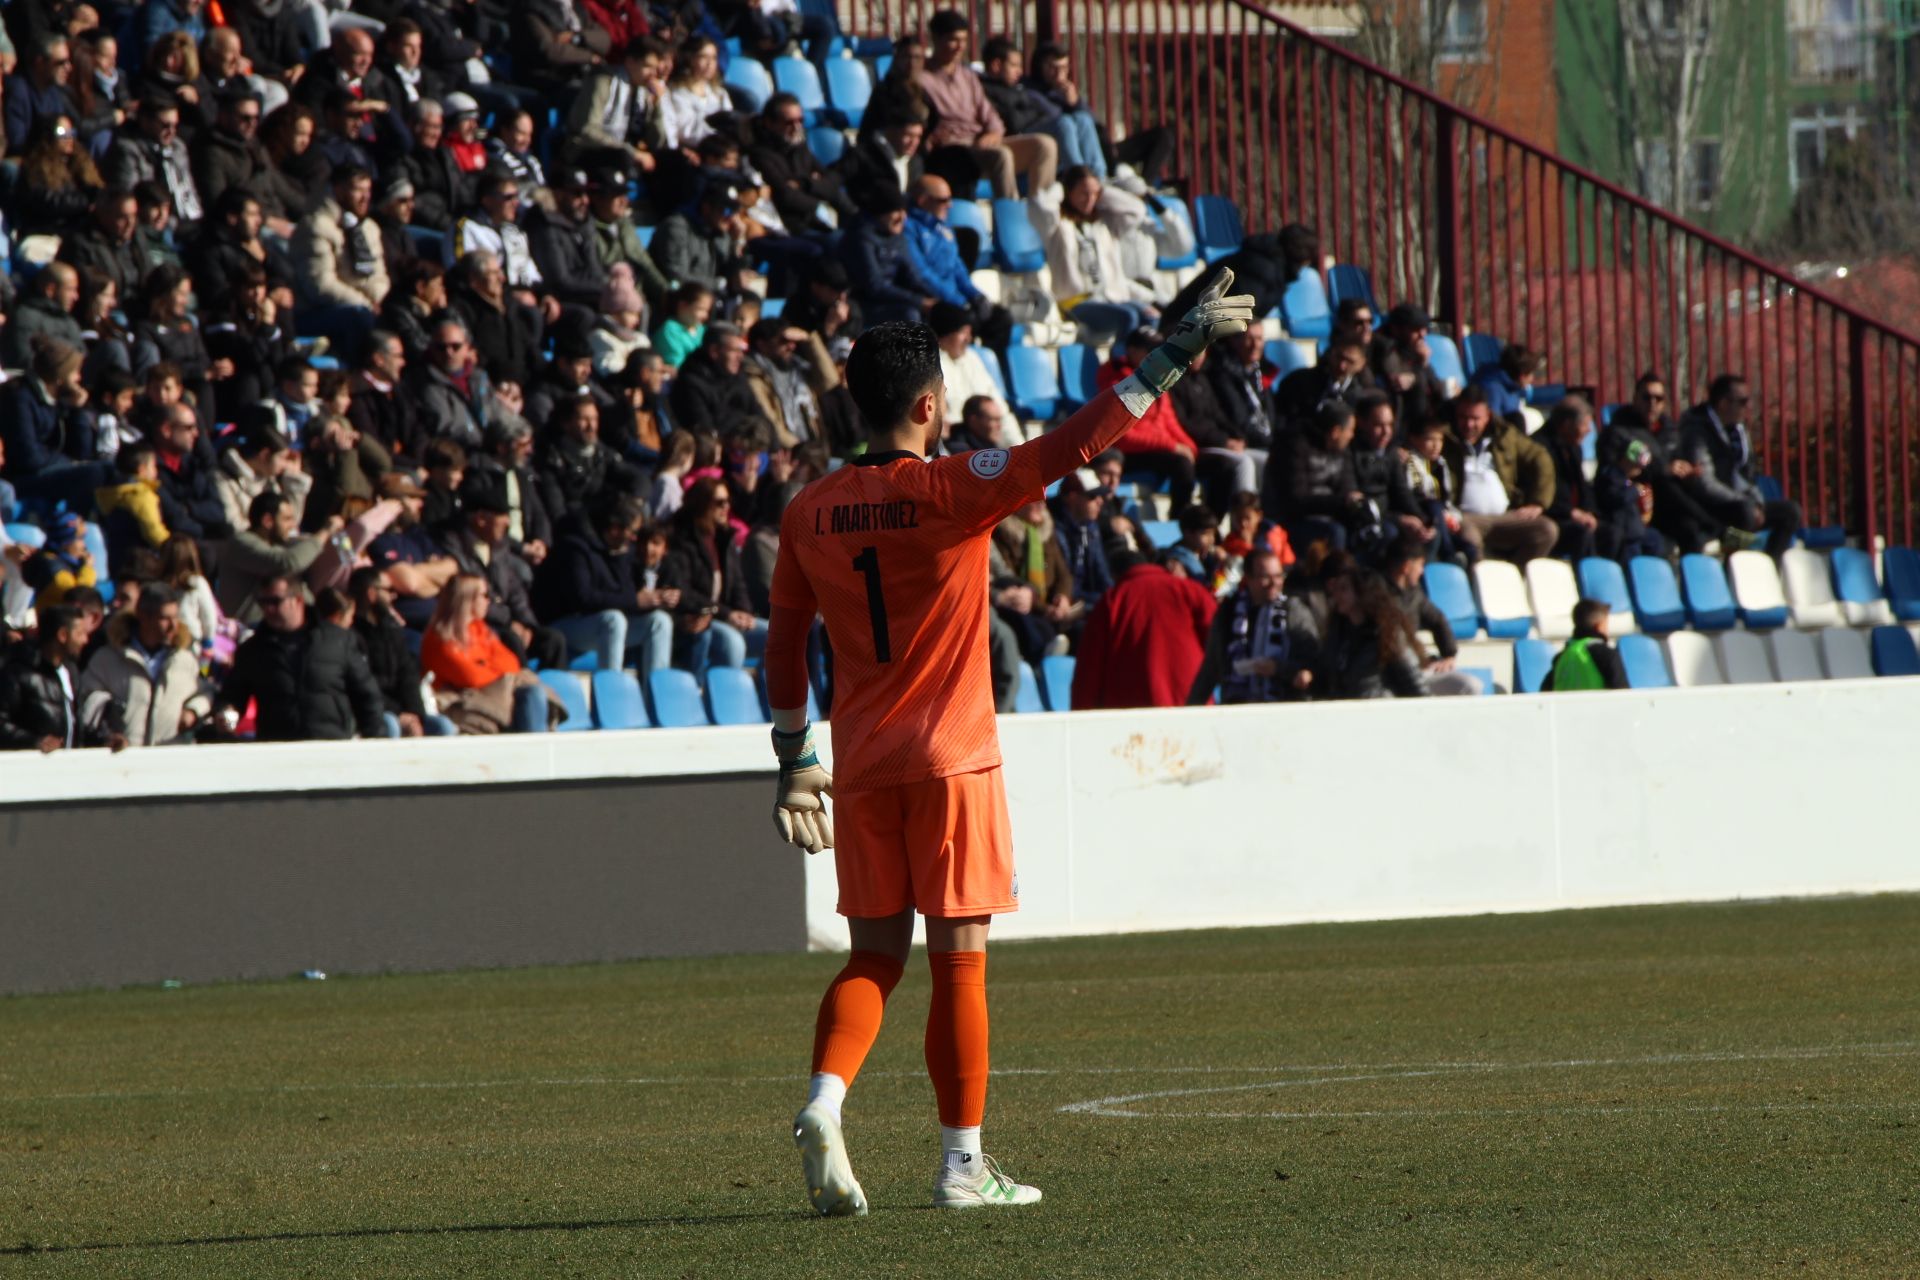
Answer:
(868, 563)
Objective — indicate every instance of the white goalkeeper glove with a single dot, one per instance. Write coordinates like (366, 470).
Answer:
(799, 801)
(1214, 317)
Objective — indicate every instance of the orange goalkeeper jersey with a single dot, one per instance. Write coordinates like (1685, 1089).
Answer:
(892, 553)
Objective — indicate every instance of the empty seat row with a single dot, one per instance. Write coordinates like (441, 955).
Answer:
(1690, 659)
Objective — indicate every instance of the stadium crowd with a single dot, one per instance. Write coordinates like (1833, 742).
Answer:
(357, 368)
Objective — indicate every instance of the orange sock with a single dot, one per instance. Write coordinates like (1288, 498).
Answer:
(957, 1036)
(850, 1013)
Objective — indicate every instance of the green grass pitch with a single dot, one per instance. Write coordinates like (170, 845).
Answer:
(1688, 1091)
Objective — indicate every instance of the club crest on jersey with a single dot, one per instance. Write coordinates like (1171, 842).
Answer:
(987, 463)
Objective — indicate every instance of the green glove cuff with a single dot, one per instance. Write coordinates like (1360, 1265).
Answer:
(795, 750)
(1165, 365)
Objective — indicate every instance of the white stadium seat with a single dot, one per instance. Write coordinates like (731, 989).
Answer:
(1757, 589)
(1691, 656)
(1503, 597)
(1843, 651)
(1553, 592)
(1794, 654)
(1809, 585)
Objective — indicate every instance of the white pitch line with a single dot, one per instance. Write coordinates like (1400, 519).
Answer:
(1117, 1105)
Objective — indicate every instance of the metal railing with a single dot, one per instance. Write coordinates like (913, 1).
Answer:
(1493, 233)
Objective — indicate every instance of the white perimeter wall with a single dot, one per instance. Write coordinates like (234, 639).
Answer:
(1247, 816)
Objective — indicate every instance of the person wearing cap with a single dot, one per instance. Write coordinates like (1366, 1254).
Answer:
(783, 362)
(568, 376)
(1158, 443)
(267, 549)
(620, 332)
(260, 460)
(440, 185)
(808, 195)
(709, 394)
(462, 138)
(707, 246)
(936, 256)
(879, 264)
(393, 202)
(966, 373)
(616, 236)
(1625, 503)
(1402, 365)
(564, 246)
(415, 564)
(618, 112)
(480, 542)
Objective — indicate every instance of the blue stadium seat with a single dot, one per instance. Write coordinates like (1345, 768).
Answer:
(1444, 359)
(732, 696)
(1646, 665)
(1452, 593)
(1285, 355)
(588, 662)
(428, 243)
(1056, 682)
(1304, 309)
(994, 373)
(571, 686)
(1710, 605)
(1172, 211)
(1479, 349)
(1161, 533)
(751, 79)
(1893, 653)
(96, 540)
(1348, 281)
(1823, 537)
(849, 88)
(801, 78)
(1532, 660)
(617, 703)
(1218, 228)
(646, 236)
(1485, 676)
(1856, 586)
(1018, 244)
(1545, 395)
(1902, 565)
(1605, 580)
(882, 62)
(1026, 698)
(771, 308)
(1657, 606)
(828, 143)
(1035, 380)
(1078, 367)
(972, 216)
(676, 699)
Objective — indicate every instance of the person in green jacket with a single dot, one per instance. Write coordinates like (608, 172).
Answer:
(1588, 661)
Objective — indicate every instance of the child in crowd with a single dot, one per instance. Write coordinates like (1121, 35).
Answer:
(688, 308)
(63, 565)
(1588, 661)
(1432, 483)
(1198, 555)
(130, 508)
(1625, 507)
(113, 395)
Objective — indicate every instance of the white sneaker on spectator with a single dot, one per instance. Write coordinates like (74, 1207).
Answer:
(832, 1189)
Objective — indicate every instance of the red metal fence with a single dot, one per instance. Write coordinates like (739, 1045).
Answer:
(1491, 232)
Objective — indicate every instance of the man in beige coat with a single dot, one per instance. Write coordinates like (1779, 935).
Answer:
(340, 267)
(144, 682)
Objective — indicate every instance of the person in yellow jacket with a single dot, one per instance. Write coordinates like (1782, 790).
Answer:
(130, 508)
(62, 565)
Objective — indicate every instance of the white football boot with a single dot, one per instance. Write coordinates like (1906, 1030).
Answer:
(984, 1187)
(831, 1187)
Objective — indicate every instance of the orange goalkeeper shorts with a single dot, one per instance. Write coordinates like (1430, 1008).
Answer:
(943, 847)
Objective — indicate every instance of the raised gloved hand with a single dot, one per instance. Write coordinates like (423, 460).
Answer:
(1214, 317)
(799, 802)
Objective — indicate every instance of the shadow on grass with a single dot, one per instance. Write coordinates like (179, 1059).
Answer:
(365, 1233)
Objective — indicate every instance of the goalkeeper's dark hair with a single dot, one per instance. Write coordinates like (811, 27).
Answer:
(892, 365)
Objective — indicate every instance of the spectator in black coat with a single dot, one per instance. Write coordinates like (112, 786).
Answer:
(106, 244)
(228, 154)
(441, 189)
(590, 588)
(390, 657)
(508, 461)
(1573, 507)
(380, 409)
(808, 196)
(715, 615)
(886, 160)
(270, 32)
(1315, 493)
(1264, 266)
(229, 242)
(189, 500)
(576, 467)
(478, 542)
(1677, 513)
(1714, 438)
(505, 332)
(306, 682)
(568, 376)
(1340, 375)
(880, 266)
(1380, 474)
(564, 247)
(710, 394)
(37, 707)
(1403, 365)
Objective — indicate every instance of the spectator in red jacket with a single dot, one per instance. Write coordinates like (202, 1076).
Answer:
(1144, 644)
(1157, 443)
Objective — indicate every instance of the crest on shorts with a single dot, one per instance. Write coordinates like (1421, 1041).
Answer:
(987, 463)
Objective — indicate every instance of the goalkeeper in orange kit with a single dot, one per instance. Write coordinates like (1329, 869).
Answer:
(891, 552)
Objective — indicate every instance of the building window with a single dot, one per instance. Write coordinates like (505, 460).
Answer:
(1810, 138)
(1705, 175)
(1463, 28)
(1831, 41)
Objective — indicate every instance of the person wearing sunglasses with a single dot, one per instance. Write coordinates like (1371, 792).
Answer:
(40, 93)
(1648, 422)
(305, 681)
(1714, 437)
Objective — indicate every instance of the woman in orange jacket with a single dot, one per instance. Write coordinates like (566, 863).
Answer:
(462, 652)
